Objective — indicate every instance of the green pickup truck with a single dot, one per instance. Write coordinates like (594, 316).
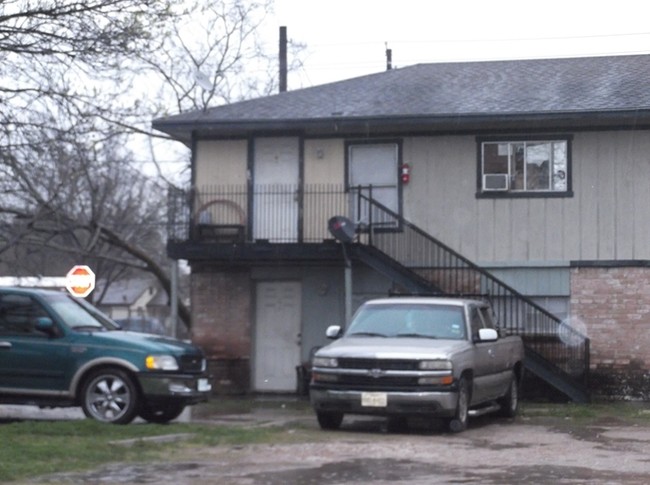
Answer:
(57, 350)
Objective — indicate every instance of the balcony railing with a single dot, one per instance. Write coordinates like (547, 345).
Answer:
(274, 213)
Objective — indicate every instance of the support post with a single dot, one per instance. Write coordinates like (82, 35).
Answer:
(347, 273)
(173, 306)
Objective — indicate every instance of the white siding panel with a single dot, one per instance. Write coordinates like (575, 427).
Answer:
(585, 186)
(570, 228)
(537, 229)
(607, 218)
(640, 187)
(606, 198)
(554, 235)
(519, 234)
(502, 231)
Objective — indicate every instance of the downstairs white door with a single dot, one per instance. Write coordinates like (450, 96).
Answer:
(277, 335)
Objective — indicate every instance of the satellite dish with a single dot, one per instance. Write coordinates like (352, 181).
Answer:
(342, 228)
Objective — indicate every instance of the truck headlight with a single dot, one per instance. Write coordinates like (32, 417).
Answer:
(325, 362)
(435, 365)
(161, 362)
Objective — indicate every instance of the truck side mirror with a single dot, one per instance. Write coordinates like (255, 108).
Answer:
(45, 325)
(333, 331)
(487, 335)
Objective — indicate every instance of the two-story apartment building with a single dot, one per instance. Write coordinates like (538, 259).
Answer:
(524, 181)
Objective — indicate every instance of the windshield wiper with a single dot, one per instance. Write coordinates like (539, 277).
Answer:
(81, 328)
(415, 335)
(367, 334)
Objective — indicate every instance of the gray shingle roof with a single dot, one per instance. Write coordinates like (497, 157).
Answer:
(444, 90)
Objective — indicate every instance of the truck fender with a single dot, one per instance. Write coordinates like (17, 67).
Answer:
(99, 362)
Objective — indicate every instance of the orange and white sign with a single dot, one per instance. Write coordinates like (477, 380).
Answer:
(80, 281)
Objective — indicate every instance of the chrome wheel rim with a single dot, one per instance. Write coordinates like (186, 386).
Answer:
(108, 398)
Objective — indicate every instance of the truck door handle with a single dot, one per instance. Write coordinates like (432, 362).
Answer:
(5, 345)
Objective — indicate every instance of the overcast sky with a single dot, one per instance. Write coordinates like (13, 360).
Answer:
(347, 38)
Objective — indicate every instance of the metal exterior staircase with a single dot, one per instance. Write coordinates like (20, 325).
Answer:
(555, 352)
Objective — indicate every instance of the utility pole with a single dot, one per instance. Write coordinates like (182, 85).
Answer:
(389, 58)
(283, 59)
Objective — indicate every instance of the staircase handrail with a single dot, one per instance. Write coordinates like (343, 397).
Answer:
(391, 222)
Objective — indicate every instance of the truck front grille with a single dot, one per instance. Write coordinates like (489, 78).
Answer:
(383, 364)
(378, 382)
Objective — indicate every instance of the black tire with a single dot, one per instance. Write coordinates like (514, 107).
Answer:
(161, 414)
(510, 401)
(329, 420)
(110, 396)
(459, 422)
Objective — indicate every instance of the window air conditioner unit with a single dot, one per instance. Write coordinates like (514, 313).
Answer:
(495, 181)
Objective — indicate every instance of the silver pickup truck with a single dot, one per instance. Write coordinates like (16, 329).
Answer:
(417, 356)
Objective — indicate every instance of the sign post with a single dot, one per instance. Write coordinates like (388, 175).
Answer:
(80, 281)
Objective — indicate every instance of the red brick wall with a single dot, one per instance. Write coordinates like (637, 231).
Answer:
(221, 316)
(614, 305)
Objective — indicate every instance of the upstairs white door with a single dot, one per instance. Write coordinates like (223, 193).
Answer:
(275, 201)
(373, 165)
(277, 335)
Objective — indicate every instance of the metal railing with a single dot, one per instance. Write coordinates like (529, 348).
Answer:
(452, 273)
(278, 213)
(288, 213)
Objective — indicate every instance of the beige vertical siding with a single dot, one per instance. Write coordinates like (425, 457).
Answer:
(608, 217)
(324, 162)
(221, 162)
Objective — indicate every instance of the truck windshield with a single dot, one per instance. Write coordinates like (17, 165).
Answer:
(79, 315)
(409, 320)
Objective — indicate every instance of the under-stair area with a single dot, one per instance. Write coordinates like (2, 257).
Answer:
(554, 352)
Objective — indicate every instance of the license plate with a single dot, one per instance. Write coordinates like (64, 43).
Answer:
(374, 399)
(203, 385)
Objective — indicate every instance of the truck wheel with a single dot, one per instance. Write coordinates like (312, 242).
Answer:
(459, 422)
(510, 402)
(110, 396)
(329, 420)
(161, 414)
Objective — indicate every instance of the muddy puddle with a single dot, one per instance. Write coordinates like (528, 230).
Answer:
(491, 451)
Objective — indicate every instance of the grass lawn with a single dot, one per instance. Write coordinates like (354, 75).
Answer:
(33, 448)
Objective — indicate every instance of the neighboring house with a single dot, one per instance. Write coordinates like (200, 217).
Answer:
(138, 304)
(537, 171)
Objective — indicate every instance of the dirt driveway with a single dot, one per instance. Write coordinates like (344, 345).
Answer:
(531, 450)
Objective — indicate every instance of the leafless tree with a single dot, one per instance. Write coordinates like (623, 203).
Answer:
(79, 79)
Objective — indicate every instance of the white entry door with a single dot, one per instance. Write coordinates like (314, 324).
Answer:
(277, 335)
(376, 166)
(275, 200)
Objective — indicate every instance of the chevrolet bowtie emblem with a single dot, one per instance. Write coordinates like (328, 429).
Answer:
(376, 373)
